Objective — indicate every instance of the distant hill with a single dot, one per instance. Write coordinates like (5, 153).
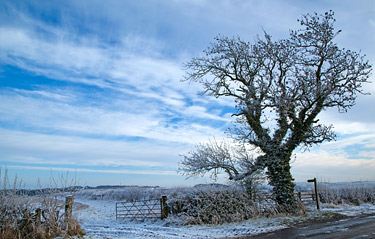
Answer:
(118, 187)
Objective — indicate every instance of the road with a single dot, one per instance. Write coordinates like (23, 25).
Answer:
(362, 226)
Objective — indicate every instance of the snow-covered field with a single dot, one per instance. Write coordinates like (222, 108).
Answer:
(98, 218)
(350, 210)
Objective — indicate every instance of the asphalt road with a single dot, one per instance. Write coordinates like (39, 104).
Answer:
(362, 226)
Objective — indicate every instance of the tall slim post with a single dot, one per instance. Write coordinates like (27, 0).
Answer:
(316, 192)
(164, 208)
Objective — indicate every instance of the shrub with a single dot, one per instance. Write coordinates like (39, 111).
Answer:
(212, 206)
(19, 219)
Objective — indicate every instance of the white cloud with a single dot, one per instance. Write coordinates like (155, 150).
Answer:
(37, 148)
(333, 166)
(341, 160)
(368, 154)
(129, 121)
(109, 67)
(90, 63)
(43, 93)
(86, 170)
(152, 87)
(347, 141)
(199, 111)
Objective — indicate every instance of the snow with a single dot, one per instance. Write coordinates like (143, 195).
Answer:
(350, 210)
(99, 221)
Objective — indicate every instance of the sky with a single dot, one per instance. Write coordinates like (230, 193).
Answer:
(93, 89)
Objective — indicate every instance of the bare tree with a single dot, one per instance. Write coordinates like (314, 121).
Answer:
(232, 158)
(280, 87)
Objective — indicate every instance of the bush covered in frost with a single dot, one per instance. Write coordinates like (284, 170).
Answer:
(211, 205)
(18, 216)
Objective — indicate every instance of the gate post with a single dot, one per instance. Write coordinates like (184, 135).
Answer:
(68, 210)
(116, 211)
(164, 207)
(316, 192)
(38, 214)
(299, 195)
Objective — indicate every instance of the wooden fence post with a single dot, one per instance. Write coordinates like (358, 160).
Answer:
(316, 192)
(68, 210)
(116, 210)
(164, 207)
(38, 214)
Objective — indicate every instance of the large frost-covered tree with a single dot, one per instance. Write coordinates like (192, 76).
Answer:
(279, 88)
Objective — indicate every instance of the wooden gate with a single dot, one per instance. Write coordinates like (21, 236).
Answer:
(307, 198)
(143, 209)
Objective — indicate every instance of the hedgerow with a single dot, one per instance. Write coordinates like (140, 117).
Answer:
(19, 217)
(212, 206)
(349, 194)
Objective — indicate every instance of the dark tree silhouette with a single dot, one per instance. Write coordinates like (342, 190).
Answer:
(280, 87)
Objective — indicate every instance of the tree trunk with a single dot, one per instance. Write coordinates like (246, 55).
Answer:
(282, 181)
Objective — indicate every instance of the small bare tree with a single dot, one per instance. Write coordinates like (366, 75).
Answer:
(234, 159)
(279, 87)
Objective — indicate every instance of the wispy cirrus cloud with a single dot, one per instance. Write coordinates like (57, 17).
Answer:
(152, 85)
(126, 121)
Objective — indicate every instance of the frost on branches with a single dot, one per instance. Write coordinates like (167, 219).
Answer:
(234, 159)
(279, 87)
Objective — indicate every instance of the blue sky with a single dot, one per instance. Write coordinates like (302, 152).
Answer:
(94, 87)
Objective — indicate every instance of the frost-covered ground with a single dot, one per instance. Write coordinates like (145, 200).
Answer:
(99, 221)
(350, 210)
